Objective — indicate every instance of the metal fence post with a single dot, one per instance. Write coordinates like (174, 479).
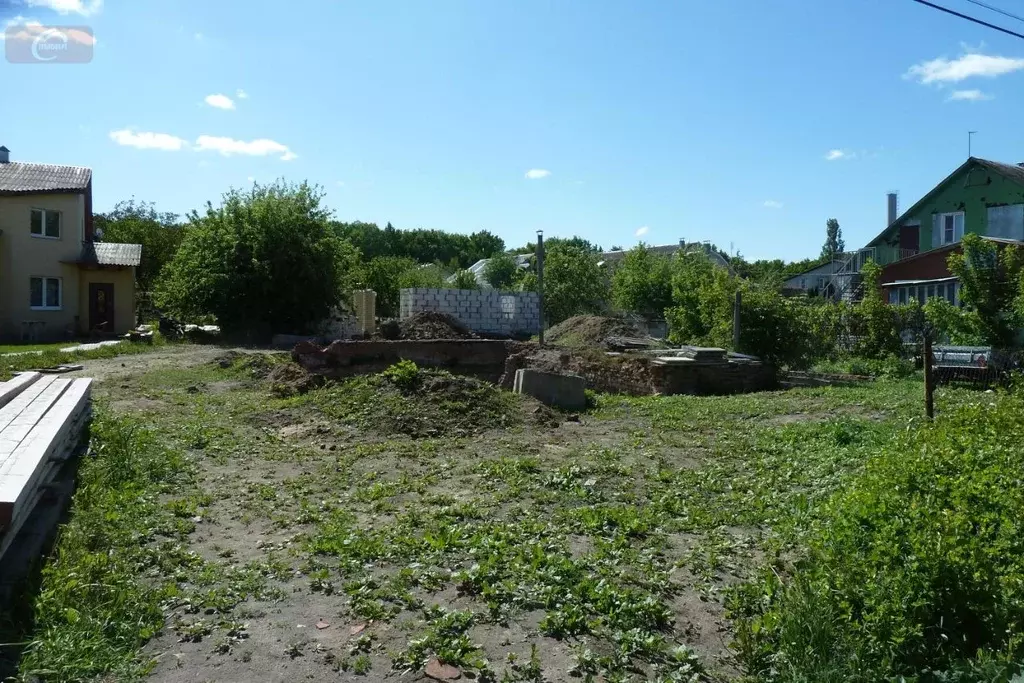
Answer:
(929, 381)
(736, 321)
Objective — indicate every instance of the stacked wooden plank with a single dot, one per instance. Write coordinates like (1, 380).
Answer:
(42, 419)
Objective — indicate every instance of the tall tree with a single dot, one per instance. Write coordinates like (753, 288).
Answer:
(266, 260)
(642, 283)
(990, 287)
(500, 271)
(573, 283)
(834, 244)
(135, 222)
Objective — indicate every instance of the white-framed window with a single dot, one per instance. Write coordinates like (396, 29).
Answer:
(950, 291)
(951, 227)
(45, 293)
(45, 223)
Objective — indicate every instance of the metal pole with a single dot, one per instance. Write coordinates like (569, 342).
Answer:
(540, 283)
(929, 380)
(736, 321)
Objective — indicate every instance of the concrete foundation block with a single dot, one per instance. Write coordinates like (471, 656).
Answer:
(563, 391)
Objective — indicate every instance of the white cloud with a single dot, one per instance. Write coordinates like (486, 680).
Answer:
(641, 231)
(969, 95)
(942, 70)
(219, 101)
(537, 173)
(251, 179)
(837, 154)
(339, 183)
(69, 6)
(144, 140)
(198, 36)
(241, 94)
(256, 148)
(772, 204)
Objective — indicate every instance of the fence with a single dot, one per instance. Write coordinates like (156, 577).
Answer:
(483, 311)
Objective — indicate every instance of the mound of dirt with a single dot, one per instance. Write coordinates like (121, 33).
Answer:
(432, 325)
(258, 365)
(430, 403)
(591, 330)
(288, 379)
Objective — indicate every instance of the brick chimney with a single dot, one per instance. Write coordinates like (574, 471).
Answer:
(5, 155)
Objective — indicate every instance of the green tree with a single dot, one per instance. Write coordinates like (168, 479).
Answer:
(384, 275)
(465, 280)
(702, 298)
(874, 323)
(642, 283)
(990, 287)
(265, 260)
(133, 222)
(834, 244)
(573, 283)
(500, 271)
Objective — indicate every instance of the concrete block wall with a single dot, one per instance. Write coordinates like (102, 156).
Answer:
(484, 311)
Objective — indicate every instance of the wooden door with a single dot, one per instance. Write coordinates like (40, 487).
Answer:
(101, 307)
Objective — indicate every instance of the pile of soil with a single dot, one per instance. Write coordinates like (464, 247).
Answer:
(435, 403)
(432, 325)
(257, 365)
(289, 379)
(582, 331)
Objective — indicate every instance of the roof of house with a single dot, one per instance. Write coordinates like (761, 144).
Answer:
(110, 254)
(23, 178)
(1011, 172)
(832, 264)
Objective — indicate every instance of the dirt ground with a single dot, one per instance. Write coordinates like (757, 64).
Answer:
(329, 543)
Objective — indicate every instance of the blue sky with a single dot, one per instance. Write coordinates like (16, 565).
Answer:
(744, 122)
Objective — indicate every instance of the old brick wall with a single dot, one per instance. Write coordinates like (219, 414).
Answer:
(483, 311)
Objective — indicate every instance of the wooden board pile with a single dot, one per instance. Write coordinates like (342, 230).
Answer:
(42, 421)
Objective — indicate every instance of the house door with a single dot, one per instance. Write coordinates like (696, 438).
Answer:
(101, 307)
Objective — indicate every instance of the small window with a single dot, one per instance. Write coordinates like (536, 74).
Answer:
(951, 227)
(894, 296)
(903, 295)
(931, 291)
(45, 223)
(45, 293)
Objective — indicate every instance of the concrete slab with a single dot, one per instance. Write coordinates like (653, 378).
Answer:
(554, 389)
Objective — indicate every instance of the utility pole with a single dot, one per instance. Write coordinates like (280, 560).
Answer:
(969, 134)
(540, 283)
(736, 308)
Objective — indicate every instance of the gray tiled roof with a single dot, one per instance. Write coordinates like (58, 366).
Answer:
(22, 178)
(111, 254)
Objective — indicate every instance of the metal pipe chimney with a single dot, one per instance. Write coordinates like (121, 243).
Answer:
(892, 206)
(5, 155)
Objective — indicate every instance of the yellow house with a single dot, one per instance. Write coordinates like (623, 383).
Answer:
(56, 282)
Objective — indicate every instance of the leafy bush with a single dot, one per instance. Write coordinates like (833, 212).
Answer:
(874, 323)
(573, 283)
(404, 374)
(642, 283)
(266, 260)
(916, 571)
(892, 367)
(953, 324)
(501, 271)
(465, 280)
(990, 287)
(702, 297)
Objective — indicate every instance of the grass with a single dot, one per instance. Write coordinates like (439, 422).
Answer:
(25, 348)
(604, 547)
(51, 356)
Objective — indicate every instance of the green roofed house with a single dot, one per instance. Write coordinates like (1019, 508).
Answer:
(981, 197)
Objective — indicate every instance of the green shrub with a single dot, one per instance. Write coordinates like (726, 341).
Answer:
(892, 367)
(465, 280)
(916, 570)
(404, 374)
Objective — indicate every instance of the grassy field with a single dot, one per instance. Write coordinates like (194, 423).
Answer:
(25, 348)
(230, 531)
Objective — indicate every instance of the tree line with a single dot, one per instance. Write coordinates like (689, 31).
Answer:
(272, 258)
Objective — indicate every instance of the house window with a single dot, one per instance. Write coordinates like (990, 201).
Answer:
(45, 293)
(951, 227)
(922, 293)
(45, 223)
